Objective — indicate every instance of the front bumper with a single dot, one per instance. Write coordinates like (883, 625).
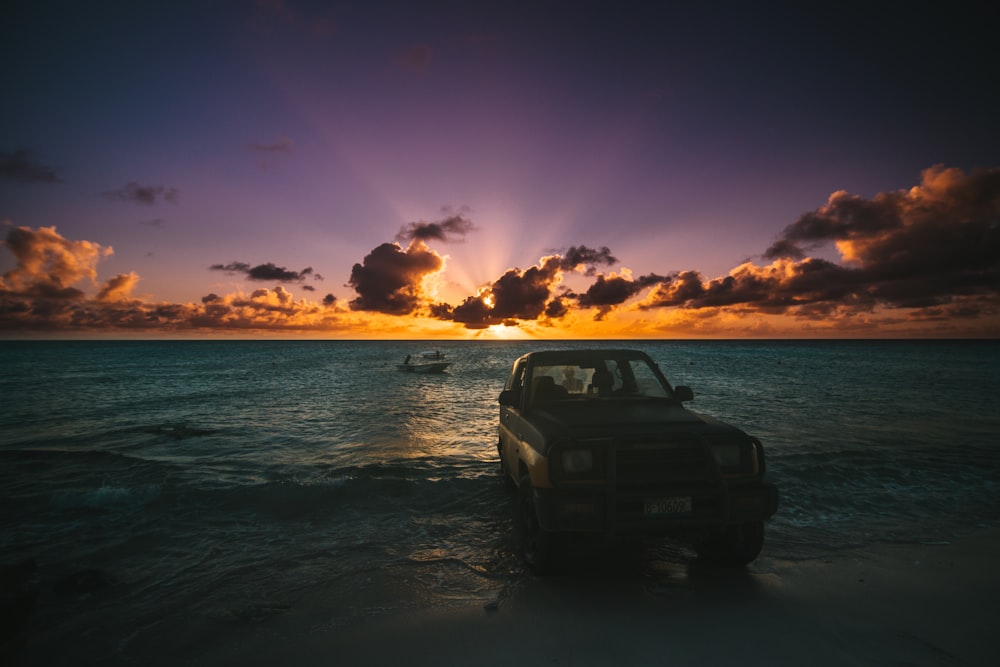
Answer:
(613, 511)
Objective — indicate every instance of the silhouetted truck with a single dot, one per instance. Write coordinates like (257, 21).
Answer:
(599, 442)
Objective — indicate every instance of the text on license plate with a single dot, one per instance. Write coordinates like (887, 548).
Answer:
(678, 505)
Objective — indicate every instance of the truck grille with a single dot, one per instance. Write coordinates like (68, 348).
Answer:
(659, 462)
(664, 469)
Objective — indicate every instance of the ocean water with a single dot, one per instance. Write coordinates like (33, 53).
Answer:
(152, 483)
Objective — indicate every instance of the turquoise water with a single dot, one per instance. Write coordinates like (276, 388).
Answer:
(224, 479)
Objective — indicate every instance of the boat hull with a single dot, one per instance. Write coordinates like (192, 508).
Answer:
(437, 367)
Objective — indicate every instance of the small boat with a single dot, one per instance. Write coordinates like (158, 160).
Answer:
(433, 367)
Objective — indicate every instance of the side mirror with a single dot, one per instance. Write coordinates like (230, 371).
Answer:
(683, 393)
(510, 397)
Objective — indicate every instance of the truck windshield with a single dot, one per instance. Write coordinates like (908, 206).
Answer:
(604, 378)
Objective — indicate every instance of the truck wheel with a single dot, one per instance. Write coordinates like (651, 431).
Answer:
(735, 546)
(537, 544)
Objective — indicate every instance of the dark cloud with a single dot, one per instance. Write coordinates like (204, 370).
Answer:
(271, 154)
(526, 295)
(232, 267)
(449, 230)
(268, 272)
(845, 216)
(924, 260)
(441, 311)
(934, 245)
(774, 288)
(144, 194)
(557, 308)
(589, 258)
(474, 313)
(282, 145)
(415, 59)
(784, 249)
(615, 290)
(389, 279)
(20, 166)
(523, 295)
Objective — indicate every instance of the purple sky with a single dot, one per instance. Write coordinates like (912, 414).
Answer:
(303, 135)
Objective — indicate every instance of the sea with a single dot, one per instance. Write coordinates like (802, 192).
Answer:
(150, 486)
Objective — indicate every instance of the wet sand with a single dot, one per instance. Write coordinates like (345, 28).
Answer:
(890, 604)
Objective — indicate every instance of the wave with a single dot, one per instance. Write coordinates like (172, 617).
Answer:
(837, 497)
(108, 497)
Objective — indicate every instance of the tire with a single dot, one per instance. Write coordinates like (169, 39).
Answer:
(537, 544)
(735, 546)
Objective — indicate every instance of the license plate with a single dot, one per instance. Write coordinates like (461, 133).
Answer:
(679, 505)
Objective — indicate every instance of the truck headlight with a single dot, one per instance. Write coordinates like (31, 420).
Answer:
(577, 460)
(727, 456)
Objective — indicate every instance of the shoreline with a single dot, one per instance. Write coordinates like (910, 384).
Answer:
(926, 604)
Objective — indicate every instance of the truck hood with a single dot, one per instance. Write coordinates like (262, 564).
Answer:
(598, 418)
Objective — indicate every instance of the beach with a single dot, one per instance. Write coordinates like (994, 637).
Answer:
(931, 604)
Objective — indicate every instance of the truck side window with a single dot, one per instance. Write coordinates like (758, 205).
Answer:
(516, 379)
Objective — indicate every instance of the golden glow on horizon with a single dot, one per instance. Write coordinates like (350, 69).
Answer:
(503, 332)
(869, 291)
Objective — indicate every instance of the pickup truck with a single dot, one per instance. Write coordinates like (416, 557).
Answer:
(598, 442)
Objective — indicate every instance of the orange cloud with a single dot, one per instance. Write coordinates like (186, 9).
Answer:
(918, 262)
(47, 263)
(118, 288)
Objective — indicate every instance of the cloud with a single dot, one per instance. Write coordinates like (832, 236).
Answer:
(144, 194)
(39, 295)
(929, 245)
(525, 295)
(282, 145)
(20, 166)
(922, 261)
(263, 309)
(416, 59)
(272, 153)
(774, 288)
(390, 279)
(589, 258)
(452, 229)
(932, 249)
(118, 288)
(522, 295)
(48, 264)
(268, 272)
(615, 290)
(40, 289)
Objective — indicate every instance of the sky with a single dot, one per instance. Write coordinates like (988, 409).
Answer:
(295, 169)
